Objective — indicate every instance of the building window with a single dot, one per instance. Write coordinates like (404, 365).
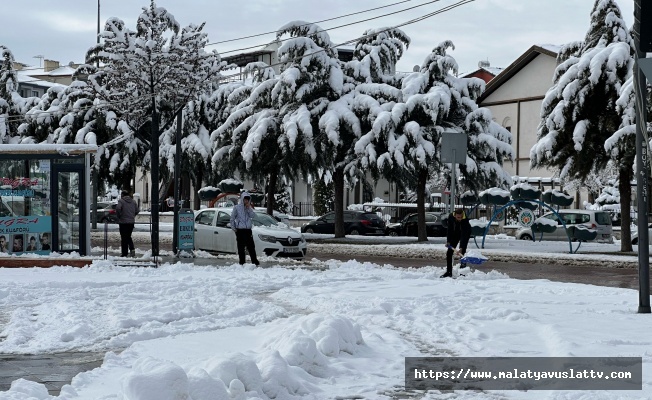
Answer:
(35, 93)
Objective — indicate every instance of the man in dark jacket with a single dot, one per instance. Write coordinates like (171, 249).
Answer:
(127, 209)
(459, 232)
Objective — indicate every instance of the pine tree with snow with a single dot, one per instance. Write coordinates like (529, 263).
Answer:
(10, 116)
(158, 68)
(310, 83)
(405, 135)
(43, 118)
(248, 141)
(373, 64)
(580, 112)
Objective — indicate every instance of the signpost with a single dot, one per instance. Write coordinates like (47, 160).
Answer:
(453, 151)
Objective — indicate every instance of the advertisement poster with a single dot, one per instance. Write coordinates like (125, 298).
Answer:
(28, 234)
(186, 230)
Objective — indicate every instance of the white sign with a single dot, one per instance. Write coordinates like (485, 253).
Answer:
(526, 218)
(44, 165)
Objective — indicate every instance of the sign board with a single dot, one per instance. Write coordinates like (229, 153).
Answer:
(453, 147)
(29, 234)
(526, 218)
(186, 234)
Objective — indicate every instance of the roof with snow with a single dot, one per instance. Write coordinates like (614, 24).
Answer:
(529, 55)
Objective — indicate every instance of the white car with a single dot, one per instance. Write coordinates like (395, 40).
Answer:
(635, 234)
(213, 233)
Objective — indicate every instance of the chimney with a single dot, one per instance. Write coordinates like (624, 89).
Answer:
(50, 65)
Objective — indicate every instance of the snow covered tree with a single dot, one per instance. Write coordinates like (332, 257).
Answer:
(580, 113)
(10, 117)
(43, 118)
(248, 140)
(311, 80)
(374, 59)
(405, 137)
(158, 68)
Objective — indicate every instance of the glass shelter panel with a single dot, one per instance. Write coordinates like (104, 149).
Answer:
(25, 221)
(68, 211)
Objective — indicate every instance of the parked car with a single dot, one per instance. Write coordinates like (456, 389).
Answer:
(355, 223)
(106, 212)
(213, 233)
(408, 226)
(598, 220)
(635, 235)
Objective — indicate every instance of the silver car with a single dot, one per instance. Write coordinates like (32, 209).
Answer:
(592, 219)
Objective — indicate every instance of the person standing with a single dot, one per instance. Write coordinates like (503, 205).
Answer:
(127, 209)
(241, 223)
(458, 232)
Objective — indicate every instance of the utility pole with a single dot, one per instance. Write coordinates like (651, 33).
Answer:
(155, 180)
(177, 182)
(642, 39)
(95, 177)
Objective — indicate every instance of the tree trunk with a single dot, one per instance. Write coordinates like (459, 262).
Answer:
(625, 188)
(271, 188)
(197, 185)
(421, 207)
(338, 185)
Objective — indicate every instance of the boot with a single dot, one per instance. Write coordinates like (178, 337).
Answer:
(132, 253)
(447, 275)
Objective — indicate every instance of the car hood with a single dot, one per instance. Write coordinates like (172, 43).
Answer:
(277, 231)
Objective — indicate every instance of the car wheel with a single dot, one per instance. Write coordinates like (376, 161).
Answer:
(354, 232)
(526, 237)
(392, 233)
(309, 230)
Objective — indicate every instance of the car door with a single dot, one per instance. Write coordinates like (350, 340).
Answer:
(204, 230)
(223, 236)
(412, 225)
(327, 225)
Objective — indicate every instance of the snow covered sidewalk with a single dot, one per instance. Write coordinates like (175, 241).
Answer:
(201, 332)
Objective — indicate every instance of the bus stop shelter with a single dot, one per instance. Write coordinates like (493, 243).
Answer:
(45, 196)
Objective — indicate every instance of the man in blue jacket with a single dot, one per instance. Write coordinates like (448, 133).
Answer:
(458, 232)
(241, 223)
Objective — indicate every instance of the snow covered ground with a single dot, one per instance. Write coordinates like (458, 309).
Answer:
(316, 330)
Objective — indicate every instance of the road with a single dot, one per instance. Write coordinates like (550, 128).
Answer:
(602, 276)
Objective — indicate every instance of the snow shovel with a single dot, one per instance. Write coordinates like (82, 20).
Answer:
(472, 257)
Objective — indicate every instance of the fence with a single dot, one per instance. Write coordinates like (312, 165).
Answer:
(303, 209)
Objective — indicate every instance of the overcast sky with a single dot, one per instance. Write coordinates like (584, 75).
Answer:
(495, 30)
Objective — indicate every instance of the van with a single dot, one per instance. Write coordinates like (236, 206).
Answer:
(592, 219)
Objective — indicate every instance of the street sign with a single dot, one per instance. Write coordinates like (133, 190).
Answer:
(186, 234)
(453, 147)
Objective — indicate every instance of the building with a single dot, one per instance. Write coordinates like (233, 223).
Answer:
(35, 81)
(515, 97)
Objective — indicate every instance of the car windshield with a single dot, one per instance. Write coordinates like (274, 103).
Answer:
(262, 219)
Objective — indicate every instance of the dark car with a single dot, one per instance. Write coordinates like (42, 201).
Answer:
(355, 223)
(106, 212)
(435, 225)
